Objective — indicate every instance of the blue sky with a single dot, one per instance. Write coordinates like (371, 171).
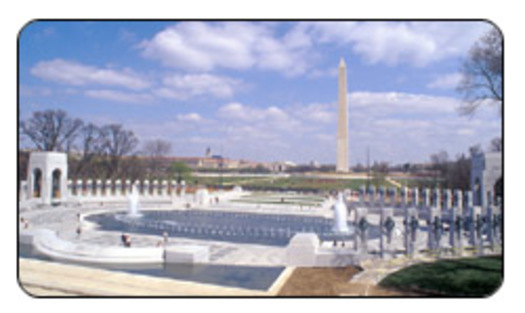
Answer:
(265, 91)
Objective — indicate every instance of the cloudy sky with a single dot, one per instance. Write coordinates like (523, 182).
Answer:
(264, 91)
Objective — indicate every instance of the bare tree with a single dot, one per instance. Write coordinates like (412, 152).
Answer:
(496, 145)
(476, 149)
(379, 173)
(155, 150)
(91, 142)
(440, 164)
(118, 142)
(482, 73)
(51, 130)
(458, 175)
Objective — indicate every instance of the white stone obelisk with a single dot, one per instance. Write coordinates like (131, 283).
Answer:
(342, 123)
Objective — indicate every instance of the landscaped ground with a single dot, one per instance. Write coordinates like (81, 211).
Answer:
(317, 281)
(281, 198)
(292, 182)
(476, 277)
(331, 282)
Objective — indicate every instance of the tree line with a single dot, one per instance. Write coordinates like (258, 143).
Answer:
(96, 151)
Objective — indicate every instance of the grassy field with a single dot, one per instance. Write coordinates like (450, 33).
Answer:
(280, 198)
(305, 183)
(467, 277)
(419, 183)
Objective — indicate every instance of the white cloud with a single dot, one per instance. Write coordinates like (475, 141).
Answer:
(392, 43)
(119, 96)
(232, 45)
(448, 81)
(316, 113)
(190, 117)
(236, 111)
(77, 74)
(384, 103)
(31, 91)
(185, 86)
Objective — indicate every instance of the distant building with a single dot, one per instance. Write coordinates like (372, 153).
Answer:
(213, 162)
(280, 167)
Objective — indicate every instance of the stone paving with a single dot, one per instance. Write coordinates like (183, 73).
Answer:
(48, 278)
(65, 221)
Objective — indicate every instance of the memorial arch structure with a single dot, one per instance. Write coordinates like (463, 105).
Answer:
(485, 175)
(47, 177)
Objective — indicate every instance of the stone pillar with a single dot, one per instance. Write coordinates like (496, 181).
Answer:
(173, 188)
(497, 221)
(127, 187)
(118, 187)
(371, 196)
(435, 229)
(447, 199)
(436, 199)
(98, 187)
(415, 198)
(456, 223)
(404, 204)
(488, 220)
(182, 189)
(137, 187)
(387, 228)
(89, 188)
(108, 188)
(393, 195)
(404, 196)
(470, 218)
(70, 188)
(411, 230)
(155, 191)
(154, 187)
(382, 195)
(145, 188)
(46, 187)
(447, 205)
(361, 236)
(362, 195)
(478, 230)
(164, 188)
(425, 194)
(79, 188)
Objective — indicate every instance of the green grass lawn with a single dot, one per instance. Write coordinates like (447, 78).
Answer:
(324, 184)
(281, 198)
(305, 183)
(471, 277)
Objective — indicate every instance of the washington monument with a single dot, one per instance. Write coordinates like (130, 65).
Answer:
(342, 123)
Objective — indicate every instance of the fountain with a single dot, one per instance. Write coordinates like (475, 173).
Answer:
(340, 216)
(134, 203)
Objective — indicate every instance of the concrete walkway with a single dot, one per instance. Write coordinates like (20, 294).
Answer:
(41, 278)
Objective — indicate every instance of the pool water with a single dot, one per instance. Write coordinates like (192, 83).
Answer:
(265, 229)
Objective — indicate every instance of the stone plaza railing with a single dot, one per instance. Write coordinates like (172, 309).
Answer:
(448, 220)
(90, 188)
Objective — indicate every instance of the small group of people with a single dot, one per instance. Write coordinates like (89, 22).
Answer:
(214, 200)
(335, 243)
(126, 240)
(165, 239)
(24, 222)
